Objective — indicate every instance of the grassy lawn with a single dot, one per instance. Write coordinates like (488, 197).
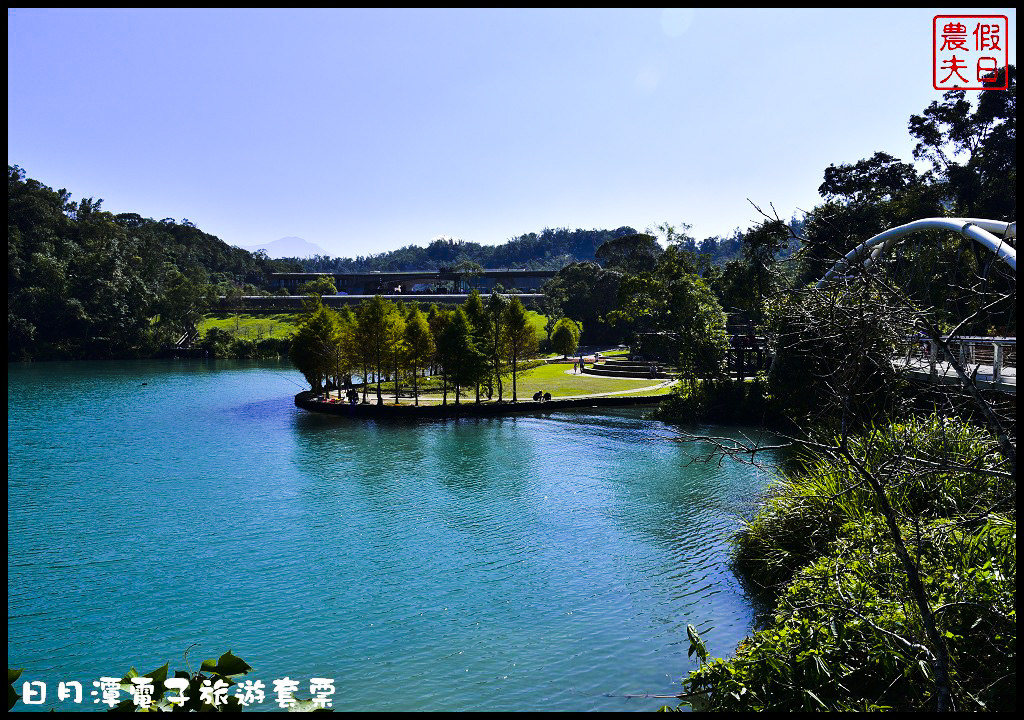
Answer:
(553, 379)
(284, 324)
(537, 323)
(660, 391)
(253, 327)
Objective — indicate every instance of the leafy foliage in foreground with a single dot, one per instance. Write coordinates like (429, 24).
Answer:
(838, 640)
(935, 469)
(845, 634)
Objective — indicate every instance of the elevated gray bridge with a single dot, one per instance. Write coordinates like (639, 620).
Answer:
(422, 282)
(294, 302)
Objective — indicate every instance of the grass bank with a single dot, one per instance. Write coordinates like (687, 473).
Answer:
(259, 326)
(251, 326)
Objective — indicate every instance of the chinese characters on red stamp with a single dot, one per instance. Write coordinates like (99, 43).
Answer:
(970, 52)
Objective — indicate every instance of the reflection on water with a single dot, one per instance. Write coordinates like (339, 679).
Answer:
(545, 561)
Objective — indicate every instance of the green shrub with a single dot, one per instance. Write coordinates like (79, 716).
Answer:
(217, 342)
(273, 347)
(721, 401)
(845, 633)
(242, 348)
(930, 468)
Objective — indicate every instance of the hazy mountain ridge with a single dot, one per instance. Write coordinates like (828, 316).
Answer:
(287, 247)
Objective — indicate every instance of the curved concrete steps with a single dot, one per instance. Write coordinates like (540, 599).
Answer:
(626, 369)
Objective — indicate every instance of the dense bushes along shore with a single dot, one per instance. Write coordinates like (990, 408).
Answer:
(219, 343)
(843, 632)
(724, 401)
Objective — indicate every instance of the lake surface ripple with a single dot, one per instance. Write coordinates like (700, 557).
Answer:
(530, 562)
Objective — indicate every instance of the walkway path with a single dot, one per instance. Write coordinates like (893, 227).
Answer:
(945, 374)
(636, 391)
(470, 398)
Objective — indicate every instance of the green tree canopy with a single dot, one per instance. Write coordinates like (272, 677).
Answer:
(419, 346)
(630, 253)
(566, 336)
(380, 333)
(323, 285)
(972, 148)
(678, 318)
(521, 338)
(497, 339)
(85, 283)
(587, 292)
(462, 360)
(314, 346)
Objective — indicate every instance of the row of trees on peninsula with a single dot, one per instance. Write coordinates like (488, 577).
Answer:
(474, 347)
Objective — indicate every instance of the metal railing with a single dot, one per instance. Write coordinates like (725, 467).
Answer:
(989, 360)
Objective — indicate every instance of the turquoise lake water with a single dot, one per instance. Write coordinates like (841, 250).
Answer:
(536, 562)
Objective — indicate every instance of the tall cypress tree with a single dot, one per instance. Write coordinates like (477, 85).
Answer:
(419, 346)
(496, 338)
(521, 339)
(481, 328)
(462, 358)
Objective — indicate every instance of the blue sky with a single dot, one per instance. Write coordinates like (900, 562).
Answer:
(367, 130)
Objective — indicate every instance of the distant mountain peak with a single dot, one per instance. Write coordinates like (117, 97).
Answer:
(288, 247)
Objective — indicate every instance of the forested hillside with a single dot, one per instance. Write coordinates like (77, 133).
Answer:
(550, 250)
(84, 283)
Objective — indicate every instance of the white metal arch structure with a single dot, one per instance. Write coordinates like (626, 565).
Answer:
(983, 232)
